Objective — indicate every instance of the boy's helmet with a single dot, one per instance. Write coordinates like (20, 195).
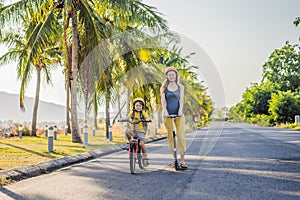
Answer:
(171, 69)
(138, 100)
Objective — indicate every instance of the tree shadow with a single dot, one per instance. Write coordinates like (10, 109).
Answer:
(28, 150)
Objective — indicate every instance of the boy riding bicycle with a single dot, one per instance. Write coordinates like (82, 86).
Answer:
(136, 115)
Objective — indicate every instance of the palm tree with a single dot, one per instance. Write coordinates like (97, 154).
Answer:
(39, 47)
(98, 26)
(82, 13)
(42, 59)
(120, 21)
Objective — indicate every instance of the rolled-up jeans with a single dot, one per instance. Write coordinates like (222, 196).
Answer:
(179, 125)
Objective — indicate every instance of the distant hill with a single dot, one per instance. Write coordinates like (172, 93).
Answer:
(10, 110)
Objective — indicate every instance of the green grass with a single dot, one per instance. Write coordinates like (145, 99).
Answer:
(15, 152)
(293, 126)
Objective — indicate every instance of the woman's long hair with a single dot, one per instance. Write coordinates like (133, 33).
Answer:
(166, 82)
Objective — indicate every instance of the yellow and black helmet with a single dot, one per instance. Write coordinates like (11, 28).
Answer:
(139, 100)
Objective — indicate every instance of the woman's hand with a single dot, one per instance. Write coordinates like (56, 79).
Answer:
(180, 112)
(166, 114)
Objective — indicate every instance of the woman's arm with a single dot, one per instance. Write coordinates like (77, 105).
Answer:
(163, 101)
(181, 100)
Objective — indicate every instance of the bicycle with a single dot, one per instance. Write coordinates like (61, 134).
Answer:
(135, 150)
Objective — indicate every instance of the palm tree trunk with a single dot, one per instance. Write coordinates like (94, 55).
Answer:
(36, 101)
(128, 100)
(95, 111)
(68, 76)
(119, 103)
(107, 99)
(74, 117)
(68, 128)
(159, 118)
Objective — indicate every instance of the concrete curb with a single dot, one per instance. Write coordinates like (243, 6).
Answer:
(37, 169)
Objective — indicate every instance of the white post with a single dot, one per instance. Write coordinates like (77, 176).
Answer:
(50, 139)
(55, 132)
(110, 133)
(125, 131)
(20, 131)
(94, 131)
(66, 129)
(297, 119)
(85, 136)
(46, 130)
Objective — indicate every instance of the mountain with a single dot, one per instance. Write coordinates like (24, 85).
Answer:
(10, 110)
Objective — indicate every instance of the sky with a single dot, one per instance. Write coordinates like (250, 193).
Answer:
(237, 36)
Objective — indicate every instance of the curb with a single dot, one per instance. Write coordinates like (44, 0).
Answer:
(46, 167)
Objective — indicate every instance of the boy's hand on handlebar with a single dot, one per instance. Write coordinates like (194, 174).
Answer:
(148, 119)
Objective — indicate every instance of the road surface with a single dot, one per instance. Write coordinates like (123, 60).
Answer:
(226, 161)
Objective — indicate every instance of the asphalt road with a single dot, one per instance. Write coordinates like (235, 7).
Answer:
(226, 161)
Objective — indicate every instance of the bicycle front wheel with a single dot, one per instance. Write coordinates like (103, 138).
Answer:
(140, 159)
(132, 159)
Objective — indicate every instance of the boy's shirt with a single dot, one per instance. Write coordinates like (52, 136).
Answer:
(137, 117)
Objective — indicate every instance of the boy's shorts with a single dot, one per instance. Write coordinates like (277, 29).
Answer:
(140, 134)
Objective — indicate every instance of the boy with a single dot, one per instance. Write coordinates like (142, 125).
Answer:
(136, 115)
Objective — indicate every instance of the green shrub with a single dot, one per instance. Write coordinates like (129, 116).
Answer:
(26, 131)
(284, 106)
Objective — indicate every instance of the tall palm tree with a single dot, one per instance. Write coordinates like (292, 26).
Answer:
(82, 13)
(21, 50)
(124, 14)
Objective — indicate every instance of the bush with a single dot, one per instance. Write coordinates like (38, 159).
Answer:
(263, 120)
(26, 131)
(284, 106)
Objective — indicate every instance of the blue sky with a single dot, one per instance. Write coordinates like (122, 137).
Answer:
(237, 35)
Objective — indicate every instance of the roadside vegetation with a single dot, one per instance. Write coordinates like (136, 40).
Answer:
(275, 100)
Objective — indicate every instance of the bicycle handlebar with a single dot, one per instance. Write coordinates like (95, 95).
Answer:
(131, 122)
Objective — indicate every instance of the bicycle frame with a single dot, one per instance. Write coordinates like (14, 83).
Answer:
(135, 141)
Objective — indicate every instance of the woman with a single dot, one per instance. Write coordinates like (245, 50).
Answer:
(172, 96)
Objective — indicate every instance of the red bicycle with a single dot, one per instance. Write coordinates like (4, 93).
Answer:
(135, 150)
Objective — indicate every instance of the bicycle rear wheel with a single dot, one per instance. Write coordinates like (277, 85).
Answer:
(132, 159)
